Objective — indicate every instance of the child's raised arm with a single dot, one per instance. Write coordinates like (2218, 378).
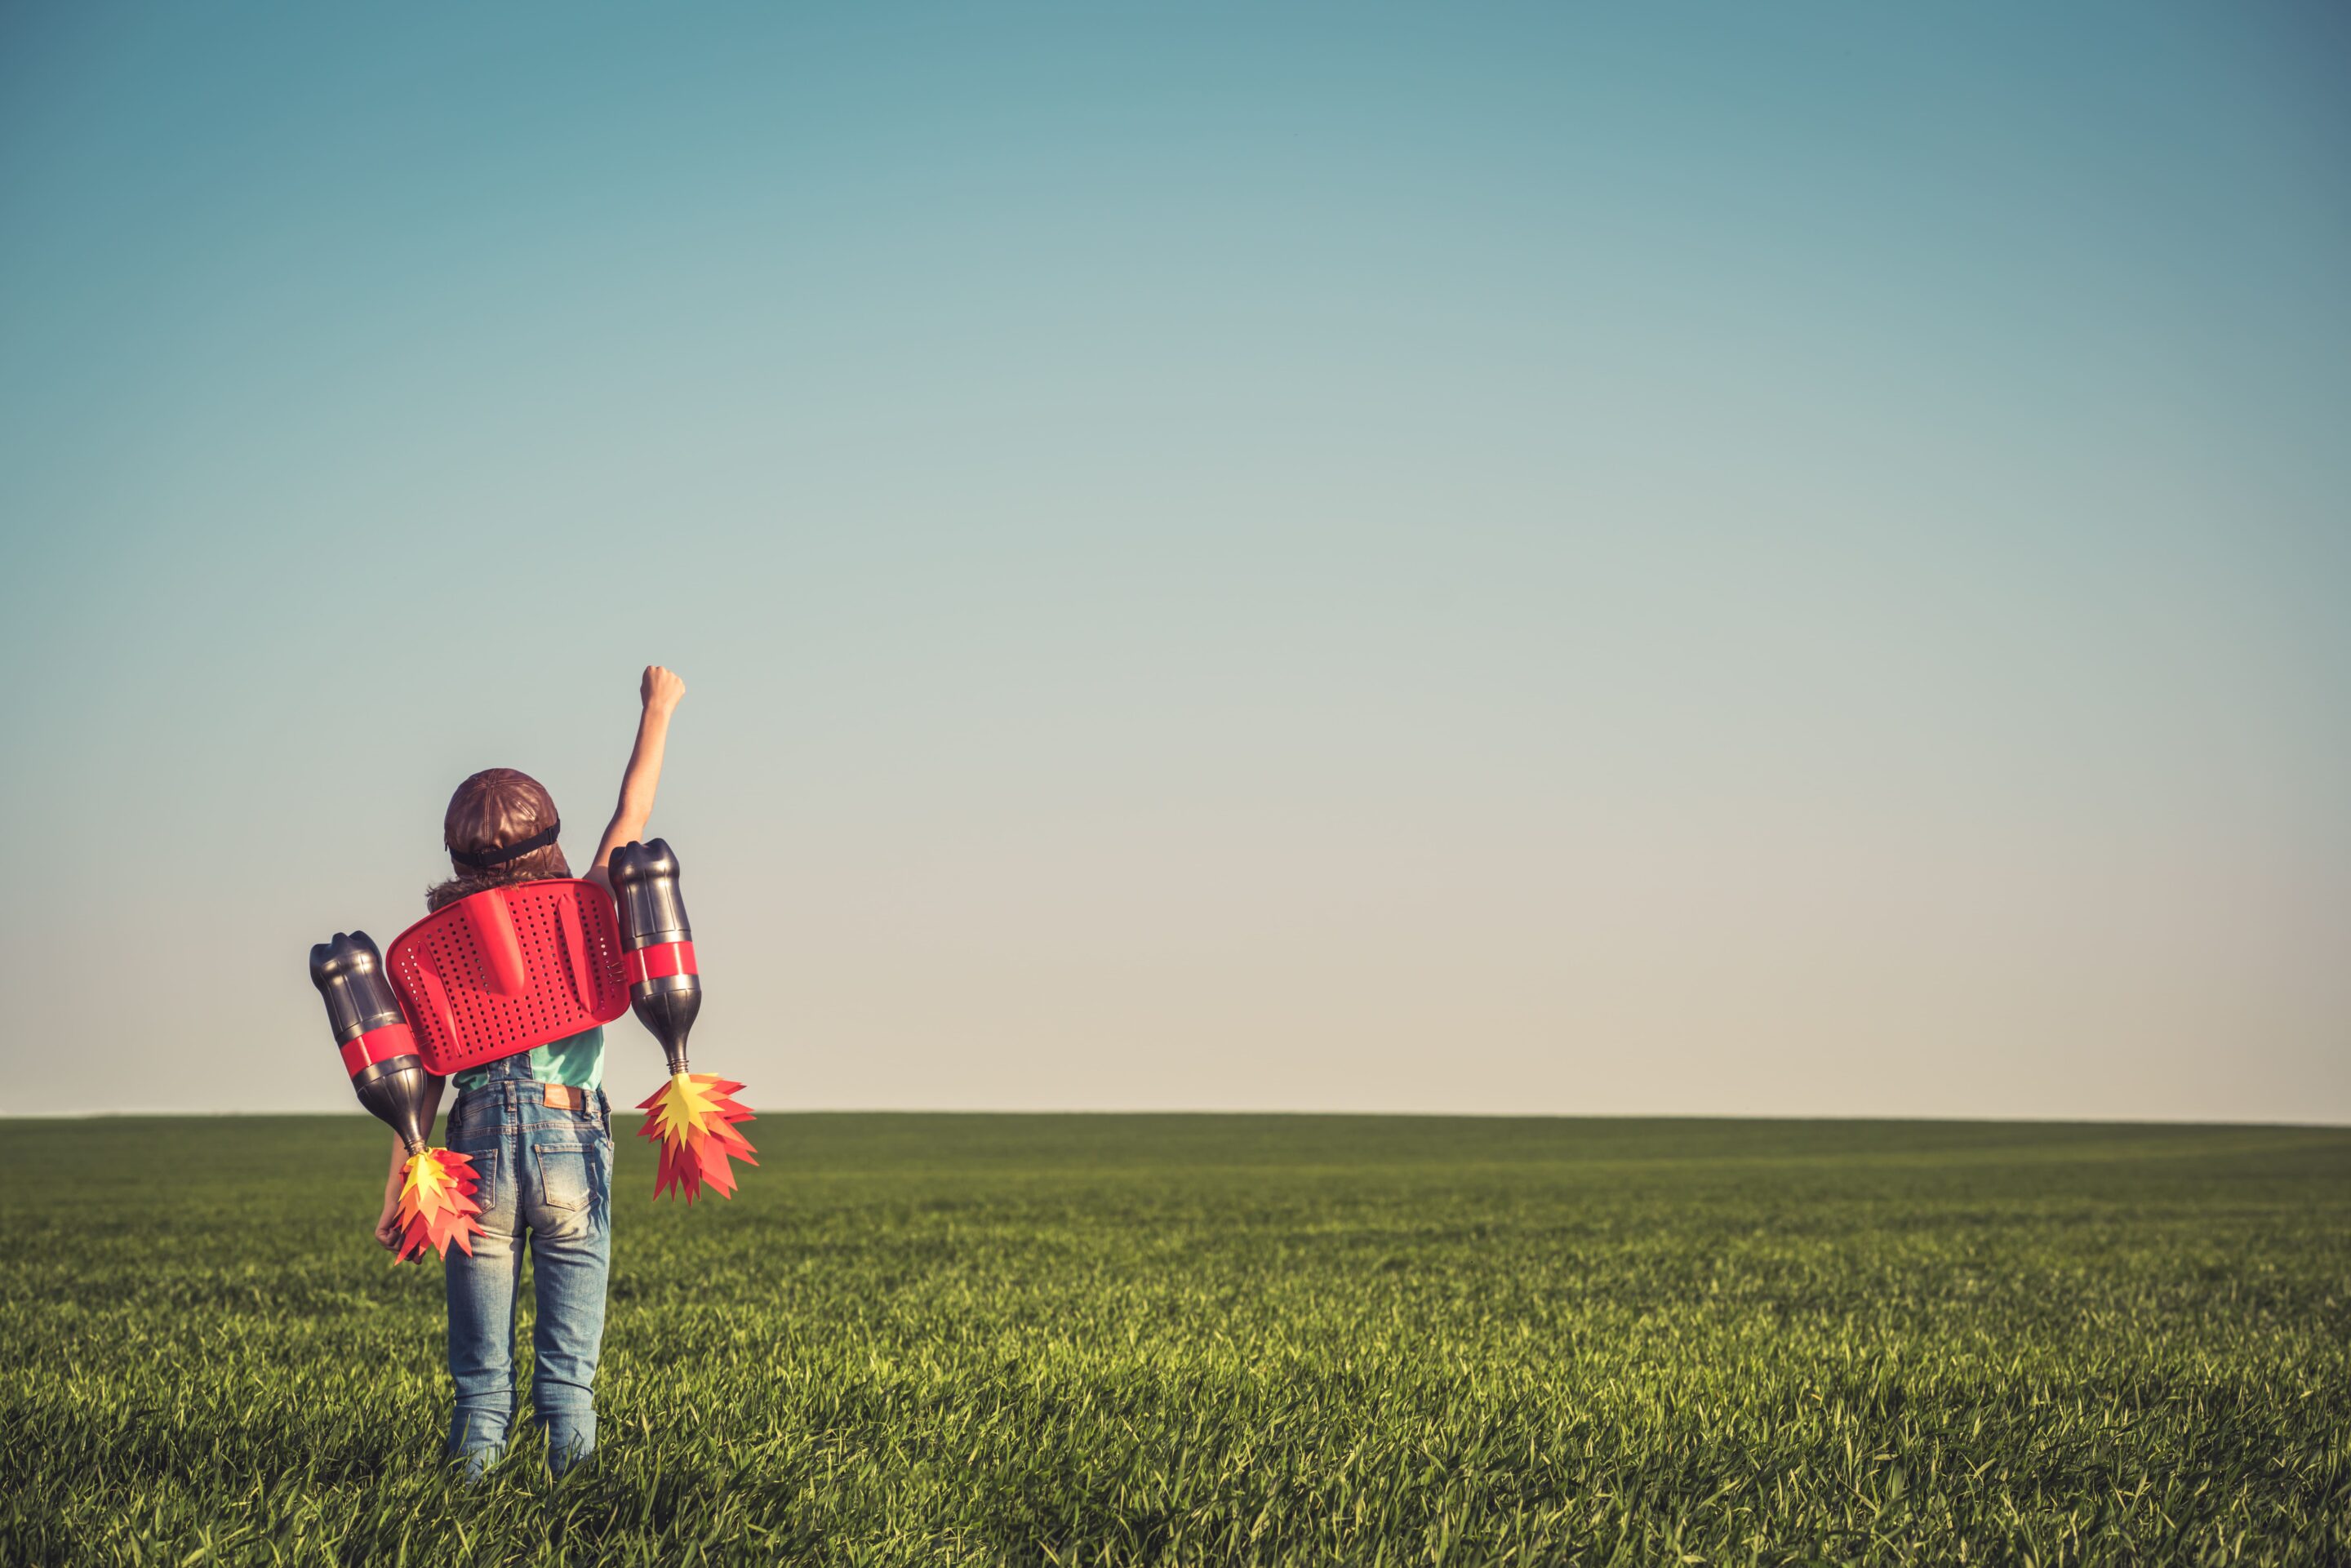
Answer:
(660, 691)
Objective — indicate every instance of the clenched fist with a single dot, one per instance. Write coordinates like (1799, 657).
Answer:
(660, 688)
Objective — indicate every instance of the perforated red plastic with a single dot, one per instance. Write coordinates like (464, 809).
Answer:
(508, 968)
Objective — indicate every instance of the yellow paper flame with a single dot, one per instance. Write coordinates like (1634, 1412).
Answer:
(436, 1205)
(691, 1118)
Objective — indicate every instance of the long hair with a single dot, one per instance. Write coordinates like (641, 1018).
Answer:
(495, 808)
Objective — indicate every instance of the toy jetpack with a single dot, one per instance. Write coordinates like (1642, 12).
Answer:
(378, 1051)
(691, 1118)
(505, 970)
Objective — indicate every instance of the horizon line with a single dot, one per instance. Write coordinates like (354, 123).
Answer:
(6, 1115)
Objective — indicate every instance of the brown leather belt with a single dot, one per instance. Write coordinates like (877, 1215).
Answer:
(566, 1096)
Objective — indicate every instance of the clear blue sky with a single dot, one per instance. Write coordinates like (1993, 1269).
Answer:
(1774, 559)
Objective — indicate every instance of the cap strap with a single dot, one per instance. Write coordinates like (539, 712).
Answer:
(483, 859)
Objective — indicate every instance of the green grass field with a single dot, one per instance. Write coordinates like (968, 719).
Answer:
(1224, 1340)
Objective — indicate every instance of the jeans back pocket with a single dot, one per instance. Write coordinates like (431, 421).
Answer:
(483, 1163)
(564, 1179)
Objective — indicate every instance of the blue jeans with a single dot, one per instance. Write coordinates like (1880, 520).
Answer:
(546, 1176)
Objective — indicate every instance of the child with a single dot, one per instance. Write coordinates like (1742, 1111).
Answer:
(539, 1131)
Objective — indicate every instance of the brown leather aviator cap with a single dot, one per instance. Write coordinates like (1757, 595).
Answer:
(499, 814)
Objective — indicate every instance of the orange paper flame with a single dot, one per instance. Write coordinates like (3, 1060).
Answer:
(436, 1205)
(692, 1121)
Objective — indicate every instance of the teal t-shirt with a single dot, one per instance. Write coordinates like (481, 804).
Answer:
(576, 1059)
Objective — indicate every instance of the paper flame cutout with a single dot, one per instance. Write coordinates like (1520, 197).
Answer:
(436, 1205)
(693, 1120)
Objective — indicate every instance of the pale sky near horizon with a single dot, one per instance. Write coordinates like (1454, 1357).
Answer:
(1680, 559)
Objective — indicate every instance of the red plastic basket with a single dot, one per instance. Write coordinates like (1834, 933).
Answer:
(508, 968)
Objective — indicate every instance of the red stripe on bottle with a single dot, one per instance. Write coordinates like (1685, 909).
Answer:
(665, 958)
(378, 1045)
